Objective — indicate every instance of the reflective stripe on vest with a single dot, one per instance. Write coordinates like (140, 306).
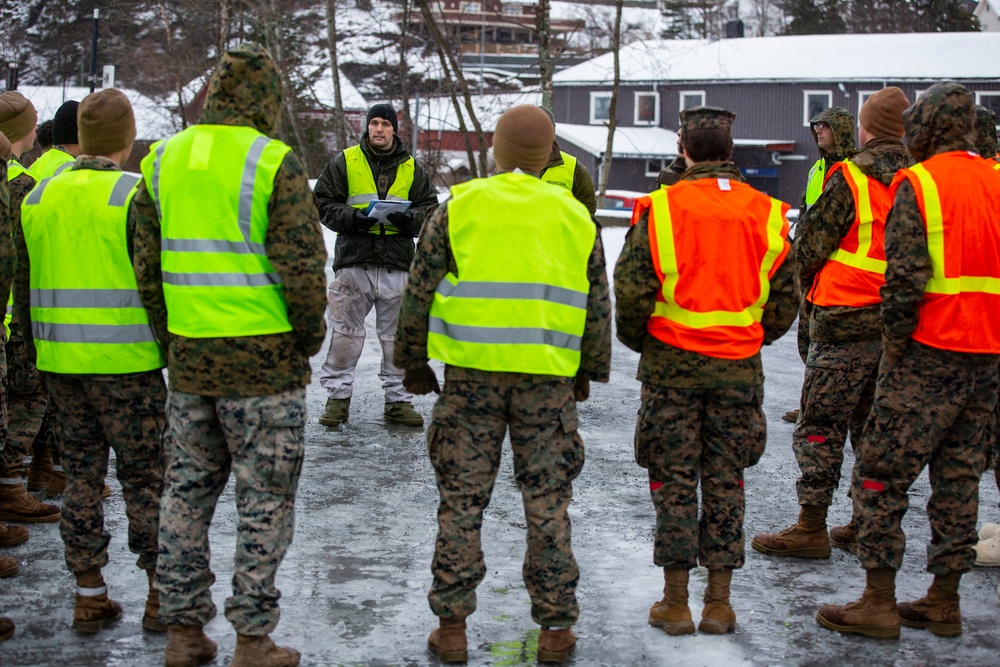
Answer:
(212, 185)
(855, 272)
(519, 301)
(815, 182)
(361, 189)
(562, 174)
(958, 199)
(715, 282)
(50, 163)
(86, 315)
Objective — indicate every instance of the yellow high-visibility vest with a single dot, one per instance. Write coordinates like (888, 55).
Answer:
(361, 189)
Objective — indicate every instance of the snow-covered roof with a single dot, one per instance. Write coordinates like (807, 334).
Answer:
(630, 142)
(323, 90)
(438, 113)
(918, 56)
(153, 121)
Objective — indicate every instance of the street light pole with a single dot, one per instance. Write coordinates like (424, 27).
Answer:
(93, 52)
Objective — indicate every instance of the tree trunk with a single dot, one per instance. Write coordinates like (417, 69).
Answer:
(616, 39)
(546, 61)
(339, 124)
(410, 122)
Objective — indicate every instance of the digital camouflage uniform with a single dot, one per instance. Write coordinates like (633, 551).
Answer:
(8, 458)
(93, 414)
(237, 403)
(673, 172)
(932, 406)
(842, 124)
(845, 341)
(465, 437)
(700, 419)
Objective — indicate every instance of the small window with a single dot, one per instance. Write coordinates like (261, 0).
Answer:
(990, 100)
(653, 167)
(692, 98)
(814, 101)
(511, 9)
(863, 96)
(471, 7)
(647, 109)
(600, 108)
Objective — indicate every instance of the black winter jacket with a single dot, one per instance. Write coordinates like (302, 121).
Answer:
(362, 248)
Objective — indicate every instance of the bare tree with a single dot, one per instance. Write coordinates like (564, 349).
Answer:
(546, 62)
(616, 39)
(765, 16)
(339, 129)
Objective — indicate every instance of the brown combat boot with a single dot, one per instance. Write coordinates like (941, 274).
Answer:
(262, 652)
(8, 567)
(873, 615)
(806, 538)
(41, 468)
(845, 537)
(672, 614)
(555, 645)
(6, 628)
(187, 646)
(151, 616)
(12, 535)
(938, 610)
(18, 505)
(718, 617)
(447, 642)
(94, 609)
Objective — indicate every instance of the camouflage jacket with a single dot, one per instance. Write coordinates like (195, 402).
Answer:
(434, 259)
(6, 245)
(636, 288)
(672, 172)
(583, 184)
(247, 365)
(842, 125)
(820, 232)
(19, 189)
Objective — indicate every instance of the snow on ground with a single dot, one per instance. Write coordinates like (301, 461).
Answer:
(355, 580)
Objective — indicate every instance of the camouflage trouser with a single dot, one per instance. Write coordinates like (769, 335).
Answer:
(259, 438)
(687, 436)
(26, 405)
(837, 396)
(464, 442)
(94, 413)
(995, 439)
(927, 412)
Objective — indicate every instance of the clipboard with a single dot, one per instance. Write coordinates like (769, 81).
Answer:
(380, 209)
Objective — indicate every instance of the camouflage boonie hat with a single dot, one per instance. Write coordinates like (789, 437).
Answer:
(945, 110)
(828, 114)
(986, 132)
(706, 118)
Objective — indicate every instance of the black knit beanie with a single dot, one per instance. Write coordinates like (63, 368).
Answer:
(64, 124)
(383, 111)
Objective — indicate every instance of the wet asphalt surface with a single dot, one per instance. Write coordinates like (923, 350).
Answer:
(355, 580)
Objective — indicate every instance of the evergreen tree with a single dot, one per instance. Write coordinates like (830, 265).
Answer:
(696, 19)
(814, 17)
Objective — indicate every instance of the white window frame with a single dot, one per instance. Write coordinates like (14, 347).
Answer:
(862, 95)
(656, 108)
(470, 6)
(594, 96)
(989, 93)
(685, 93)
(805, 103)
(662, 162)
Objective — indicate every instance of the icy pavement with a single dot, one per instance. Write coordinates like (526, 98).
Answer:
(355, 580)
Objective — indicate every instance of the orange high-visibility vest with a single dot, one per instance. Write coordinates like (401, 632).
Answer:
(855, 271)
(959, 199)
(715, 244)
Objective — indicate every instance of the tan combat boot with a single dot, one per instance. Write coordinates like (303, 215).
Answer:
(718, 617)
(672, 614)
(94, 609)
(807, 538)
(448, 642)
(845, 537)
(336, 412)
(402, 412)
(938, 610)
(262, 652)
(873, 615)
(151, 616)
(555, 645)
(12, 535)
(18, 505)
(187, 646)
(8, 567)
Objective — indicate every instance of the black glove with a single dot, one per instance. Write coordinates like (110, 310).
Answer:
(581, 389)
(421, 380)
(362, 223)
(401, 219)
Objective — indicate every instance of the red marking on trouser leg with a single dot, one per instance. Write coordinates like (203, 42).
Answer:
(816, 438)
(872, 485)
(741, 484)
(653, 486)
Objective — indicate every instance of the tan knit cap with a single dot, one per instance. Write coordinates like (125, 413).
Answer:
(523, 139)
(17, 115)
(882, 113)
(105, 122)
(4, 147)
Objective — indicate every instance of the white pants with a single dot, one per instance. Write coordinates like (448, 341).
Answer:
(353, 292)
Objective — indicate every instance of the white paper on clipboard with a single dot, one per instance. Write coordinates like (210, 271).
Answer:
(379, 209)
